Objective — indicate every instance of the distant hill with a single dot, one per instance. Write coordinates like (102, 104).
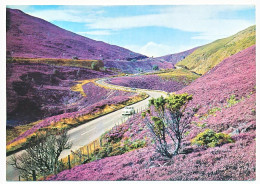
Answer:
(174, 58)
(147, 64)
(206, 57)
(32, 37)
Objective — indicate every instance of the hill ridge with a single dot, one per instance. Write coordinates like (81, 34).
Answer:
(29, 36)
(206, 57)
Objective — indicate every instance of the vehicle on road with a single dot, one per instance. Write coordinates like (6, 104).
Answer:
(128, 111)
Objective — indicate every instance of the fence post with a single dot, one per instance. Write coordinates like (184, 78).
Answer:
(19, 178)
(100, 142)
(34, 175)
(69, 161)
(88, 151)
(82, 154)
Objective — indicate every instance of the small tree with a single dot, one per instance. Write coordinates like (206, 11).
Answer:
(169, 120)
(94, 66)
(155, 67)
(41, 157)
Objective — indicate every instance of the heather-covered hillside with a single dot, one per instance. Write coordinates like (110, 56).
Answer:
(227, 96)
(32, 37)
(36, 91)
(206, 57)
(147, 82)
(169, 81)
(137, 66)
(174, 58)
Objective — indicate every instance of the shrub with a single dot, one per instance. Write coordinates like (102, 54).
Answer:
(155, 67)
(94, 66)
(209, 138)
(42, 155)
(171, 119)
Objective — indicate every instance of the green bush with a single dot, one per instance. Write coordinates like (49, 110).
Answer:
(94, 66)
(209, 138)
(155, 67)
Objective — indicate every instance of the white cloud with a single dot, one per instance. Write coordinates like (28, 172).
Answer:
(97, 32)
(152, 49)
(61, 15)
(81, 14)
(207, 21)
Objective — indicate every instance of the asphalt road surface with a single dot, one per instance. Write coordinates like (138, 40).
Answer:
(90, 131)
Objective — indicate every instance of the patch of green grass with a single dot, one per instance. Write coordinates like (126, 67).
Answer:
(200, 125)
(211, 111)
(58, 62)
(206, 57)
(180, 75)
(233, 100)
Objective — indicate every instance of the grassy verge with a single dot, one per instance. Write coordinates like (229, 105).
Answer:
(57, 62)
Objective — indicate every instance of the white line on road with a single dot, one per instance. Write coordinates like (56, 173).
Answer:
(88, 131)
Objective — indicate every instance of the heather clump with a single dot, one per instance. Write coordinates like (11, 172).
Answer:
(116, 134)
(209, 138)
(116, 143)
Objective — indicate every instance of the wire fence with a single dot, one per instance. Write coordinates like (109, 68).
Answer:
(84, 154)
(80, 156)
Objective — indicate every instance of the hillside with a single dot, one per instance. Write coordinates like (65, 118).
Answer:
(206, 57)
(137, 66)
(227, 96)
(174, 58)
(36, 91)
(32, 37)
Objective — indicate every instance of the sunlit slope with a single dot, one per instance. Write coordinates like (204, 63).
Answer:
(208, 56)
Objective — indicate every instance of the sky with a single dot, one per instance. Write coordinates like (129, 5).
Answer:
(150, 30)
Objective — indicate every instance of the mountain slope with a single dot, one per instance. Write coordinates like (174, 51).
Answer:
(31, 37)
(208, 56)
(174, 58)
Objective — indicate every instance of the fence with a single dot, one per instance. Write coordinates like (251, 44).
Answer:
(80, 156)
(83, 154)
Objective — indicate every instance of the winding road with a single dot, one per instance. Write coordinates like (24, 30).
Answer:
(90, 131)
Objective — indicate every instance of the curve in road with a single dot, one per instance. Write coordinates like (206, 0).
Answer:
(90, 131)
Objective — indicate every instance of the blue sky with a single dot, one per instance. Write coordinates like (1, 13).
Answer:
(150, 30)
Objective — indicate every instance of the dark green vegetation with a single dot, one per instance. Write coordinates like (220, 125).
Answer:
(91, 64)
(169, 118)
(41, 158)
(206, 57)
(209, 138)
(180, 75)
